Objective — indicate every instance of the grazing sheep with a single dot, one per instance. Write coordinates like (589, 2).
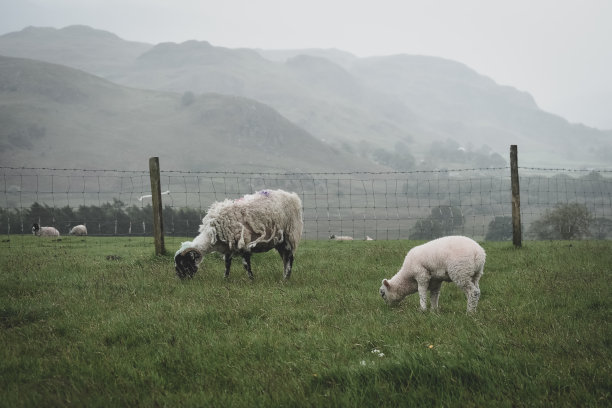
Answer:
(340, 238)
(449, 259)
(44, 231)
(254, 223)
(78, 230)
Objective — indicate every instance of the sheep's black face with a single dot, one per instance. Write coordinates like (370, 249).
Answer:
(186, 263)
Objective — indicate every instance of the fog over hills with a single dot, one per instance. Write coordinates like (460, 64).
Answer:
(323, 109)
(55, 116)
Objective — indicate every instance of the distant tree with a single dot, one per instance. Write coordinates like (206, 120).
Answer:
(141, 219)
(43, 214)
(500, 229)
(15, 221)
(601, 228)
(443, 220)
(182, 222)
(566, 221)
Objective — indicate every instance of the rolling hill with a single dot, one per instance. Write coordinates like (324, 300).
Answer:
(55, 116)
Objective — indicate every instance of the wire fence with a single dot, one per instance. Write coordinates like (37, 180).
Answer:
(361, 205)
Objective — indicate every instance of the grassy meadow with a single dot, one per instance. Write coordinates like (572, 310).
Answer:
(103, 322)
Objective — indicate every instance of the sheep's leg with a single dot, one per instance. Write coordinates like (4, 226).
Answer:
(228, 263)
(287, 263)
(287, 257)
(477, 276)
(472, 292)
(422, 287)
(288, 266)
(473, 298)
(434, 288)
(246, 262)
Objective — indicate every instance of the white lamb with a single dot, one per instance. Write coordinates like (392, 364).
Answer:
(449, 259)
(268, 219)
(78, 230)
(44, 231)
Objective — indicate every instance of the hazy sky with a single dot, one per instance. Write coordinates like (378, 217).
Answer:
(560, 51)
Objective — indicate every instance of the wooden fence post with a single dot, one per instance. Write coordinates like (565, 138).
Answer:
(516, 198)
(158, 221)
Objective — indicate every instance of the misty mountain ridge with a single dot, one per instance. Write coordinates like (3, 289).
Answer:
(406, 109)
(82, 47)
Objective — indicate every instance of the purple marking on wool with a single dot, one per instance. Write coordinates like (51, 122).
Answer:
(265, 192)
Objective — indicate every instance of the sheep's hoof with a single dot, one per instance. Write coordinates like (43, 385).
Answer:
(186, 263)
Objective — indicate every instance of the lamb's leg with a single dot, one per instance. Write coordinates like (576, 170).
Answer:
(472, 292)
(473, 298)
(246, 262)
(228, 263)
(422, 287)
(434, 288)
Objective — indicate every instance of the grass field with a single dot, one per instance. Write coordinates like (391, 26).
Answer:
(106, 323)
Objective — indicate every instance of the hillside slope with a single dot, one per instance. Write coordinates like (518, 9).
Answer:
(54, 116)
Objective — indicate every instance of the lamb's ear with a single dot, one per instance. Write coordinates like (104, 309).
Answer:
(386, 283)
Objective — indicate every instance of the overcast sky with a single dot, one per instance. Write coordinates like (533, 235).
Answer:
(560, 51)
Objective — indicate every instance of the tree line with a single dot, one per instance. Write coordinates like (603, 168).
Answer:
(566, 221)
(107, 219)
(563, 222)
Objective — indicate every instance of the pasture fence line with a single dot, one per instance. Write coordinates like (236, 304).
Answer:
(419, 204)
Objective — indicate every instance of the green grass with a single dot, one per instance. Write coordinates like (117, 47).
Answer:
(81, 328)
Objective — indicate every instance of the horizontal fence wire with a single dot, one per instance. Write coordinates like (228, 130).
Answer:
(360, 205)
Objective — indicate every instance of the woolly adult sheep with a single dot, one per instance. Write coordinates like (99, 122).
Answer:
(78, 230)
(44, 231)
(259, 222)
(449, 259)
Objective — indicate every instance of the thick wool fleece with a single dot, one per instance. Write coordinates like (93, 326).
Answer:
(254, 223)
(78, 230)
(455, 259)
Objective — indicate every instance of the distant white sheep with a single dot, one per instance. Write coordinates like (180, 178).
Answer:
(44, 231)
(268, 219)
(340, 238)
(449, 259)
(79, 230)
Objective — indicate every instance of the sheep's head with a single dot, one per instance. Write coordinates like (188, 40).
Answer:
(186, 262)
(389, 295)
(35, 228)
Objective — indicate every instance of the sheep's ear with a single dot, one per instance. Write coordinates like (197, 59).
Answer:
(386, 283)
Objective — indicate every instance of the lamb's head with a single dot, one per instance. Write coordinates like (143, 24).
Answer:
(389, 293)
(186, 261)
